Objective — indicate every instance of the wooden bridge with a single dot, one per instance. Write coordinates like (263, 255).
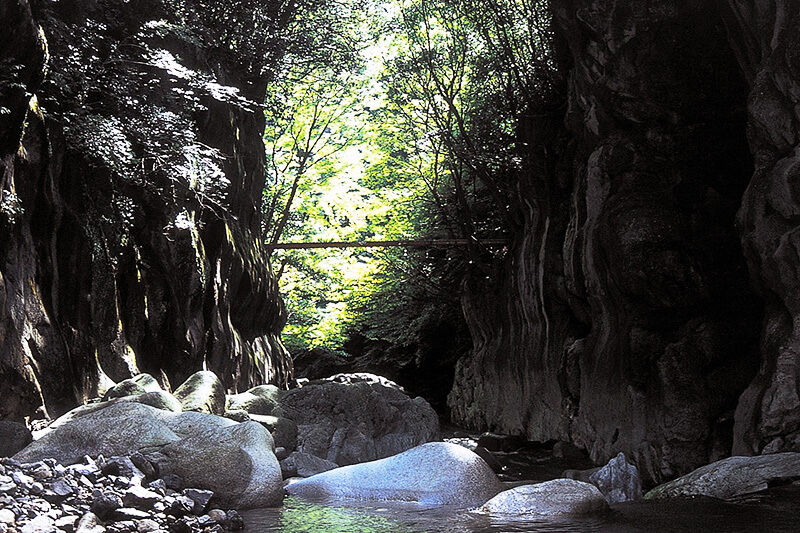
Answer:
(425, 243)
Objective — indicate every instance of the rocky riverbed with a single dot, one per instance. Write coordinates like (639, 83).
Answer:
(99, 496)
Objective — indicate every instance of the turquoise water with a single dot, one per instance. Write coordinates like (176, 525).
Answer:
(775, 512)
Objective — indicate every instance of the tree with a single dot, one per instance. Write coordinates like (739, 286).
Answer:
(439, 155)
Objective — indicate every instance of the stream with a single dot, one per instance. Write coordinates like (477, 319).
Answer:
(774, 511)
(777, 511)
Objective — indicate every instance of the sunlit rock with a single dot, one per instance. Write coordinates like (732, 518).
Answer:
(135, 243)
(139, 384)
(732, 477)
(260, 400)
(283, 430)
(551, 498)
(202, 392)
(235, 461)
(437, 473)
(158, 399)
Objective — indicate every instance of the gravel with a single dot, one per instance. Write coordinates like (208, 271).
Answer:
(103, 496)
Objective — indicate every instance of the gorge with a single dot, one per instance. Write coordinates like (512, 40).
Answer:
(648, 299)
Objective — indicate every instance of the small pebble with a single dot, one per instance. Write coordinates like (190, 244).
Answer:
(46, 497)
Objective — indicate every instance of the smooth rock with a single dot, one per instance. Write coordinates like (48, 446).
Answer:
(66, 523)
(568, 451)
(305, 465)
(136, 385)
(236, 463)
(283, 430)
(490, 459)
(732, 477)
(105, 503)
(281, 453)
(200, 499)
(121, 466)
(500, 443)
(140, 498)
(7, 516)
(260, 400)
(89, 523)
(158, 399)
(146, 525)
(437, 473)
(108, 429)
(39, 524)
(188, 449)
(143, 465)
(202, 392)
(551, 498)
(128, 513)
(238, 415)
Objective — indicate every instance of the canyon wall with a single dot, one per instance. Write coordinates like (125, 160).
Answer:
(132, 181)
(648, 303)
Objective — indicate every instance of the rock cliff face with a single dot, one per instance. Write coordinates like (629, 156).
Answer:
(767, 43)
(656, 268)
(131, 202)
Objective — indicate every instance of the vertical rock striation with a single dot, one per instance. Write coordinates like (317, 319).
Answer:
(766, 38)
(22, 61)
(129, 238)
(625, 320)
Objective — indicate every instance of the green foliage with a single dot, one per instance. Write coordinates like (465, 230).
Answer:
(248, 35)
(129, 86)
(437, 153)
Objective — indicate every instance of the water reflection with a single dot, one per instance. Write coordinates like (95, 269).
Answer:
(301, 516)
(777, 512)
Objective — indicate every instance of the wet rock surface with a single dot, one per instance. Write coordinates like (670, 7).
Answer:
(550, 498)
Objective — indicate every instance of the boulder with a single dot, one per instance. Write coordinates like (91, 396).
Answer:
(158, 399)
(202, 392)
(283, 430)
(139, 384)
(551, 498)
(108, 429)
(305, 465)
(235, 461)
(436, 473)
(618, 480)
(260, 400)
(239, 415)
(360, 377)
(14, 436)
(732, 477)
(348, 421)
